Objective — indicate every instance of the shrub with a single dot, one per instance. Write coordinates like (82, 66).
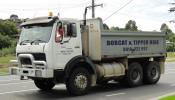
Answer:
(5, 41)
(7, 51)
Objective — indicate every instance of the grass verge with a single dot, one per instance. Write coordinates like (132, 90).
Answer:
(170, 54)
(171, 97)
(4, 61)
(4, 71)
(170, 57)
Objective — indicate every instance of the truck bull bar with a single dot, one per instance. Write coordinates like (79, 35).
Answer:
(36, 69)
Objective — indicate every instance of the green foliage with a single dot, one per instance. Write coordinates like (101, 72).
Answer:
(7, 51)
(115, 28)
(170, 57)
(4, 62)
(170, 48)
(171, 54)
(171, 97)
(170, 36)
(105, 27)
(6, 59)
(131, 26)
(4, 71)
(8, 28)
(10, 49)
(166, 29)
(5, 41)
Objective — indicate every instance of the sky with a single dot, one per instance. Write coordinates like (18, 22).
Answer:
(148, 14)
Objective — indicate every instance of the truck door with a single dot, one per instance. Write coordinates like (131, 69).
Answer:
(67, 43)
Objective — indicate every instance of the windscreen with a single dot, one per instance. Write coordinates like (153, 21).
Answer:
(40, 33)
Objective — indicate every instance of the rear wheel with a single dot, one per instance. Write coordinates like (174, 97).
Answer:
(44, 84)
(152, 73)
(134, 75)
(79, 81)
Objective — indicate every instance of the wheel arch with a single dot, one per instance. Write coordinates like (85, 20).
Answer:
(74, 63)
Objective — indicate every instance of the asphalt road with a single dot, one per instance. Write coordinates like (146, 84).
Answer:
(11, 88)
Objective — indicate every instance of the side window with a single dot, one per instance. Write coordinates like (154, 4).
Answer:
(59, 32)
(70, 30)
(65, 29)
(74, 30)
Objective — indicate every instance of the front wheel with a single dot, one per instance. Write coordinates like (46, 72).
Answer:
(44, 84)
(79, 81)
(152, 73)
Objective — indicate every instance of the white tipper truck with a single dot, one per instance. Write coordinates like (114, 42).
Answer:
(52, 51)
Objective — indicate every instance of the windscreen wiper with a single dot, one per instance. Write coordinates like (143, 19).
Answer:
(38, 40)
(24, 41)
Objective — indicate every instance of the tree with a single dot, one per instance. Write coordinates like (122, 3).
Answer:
(169, 36)
(8, 28)
(105, 27)
(169, 33)
(166, 29)
(131, 26)
(115, 28)
(13, 17)
(5, 41)
(171, 45)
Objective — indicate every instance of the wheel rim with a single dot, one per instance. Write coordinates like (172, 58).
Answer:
(135, 75)
(81, 81)
(154, 73)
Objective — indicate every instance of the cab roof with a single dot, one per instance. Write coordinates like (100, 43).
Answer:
(39, 20)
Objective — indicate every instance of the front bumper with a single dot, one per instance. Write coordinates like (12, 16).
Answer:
(38, 73)
(38, 69)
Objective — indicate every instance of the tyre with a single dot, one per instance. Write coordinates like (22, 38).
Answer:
(134, 75)
(79, 81)
(44, 84)
(152, 73)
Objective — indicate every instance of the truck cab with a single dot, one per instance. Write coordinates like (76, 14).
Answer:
(42, 47)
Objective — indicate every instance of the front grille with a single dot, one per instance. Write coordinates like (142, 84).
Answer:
(39, 56)
(26, 61)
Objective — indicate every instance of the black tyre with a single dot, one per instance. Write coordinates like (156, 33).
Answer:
(44, 84)
(134, 75)
(152, 73)
(79, 81)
